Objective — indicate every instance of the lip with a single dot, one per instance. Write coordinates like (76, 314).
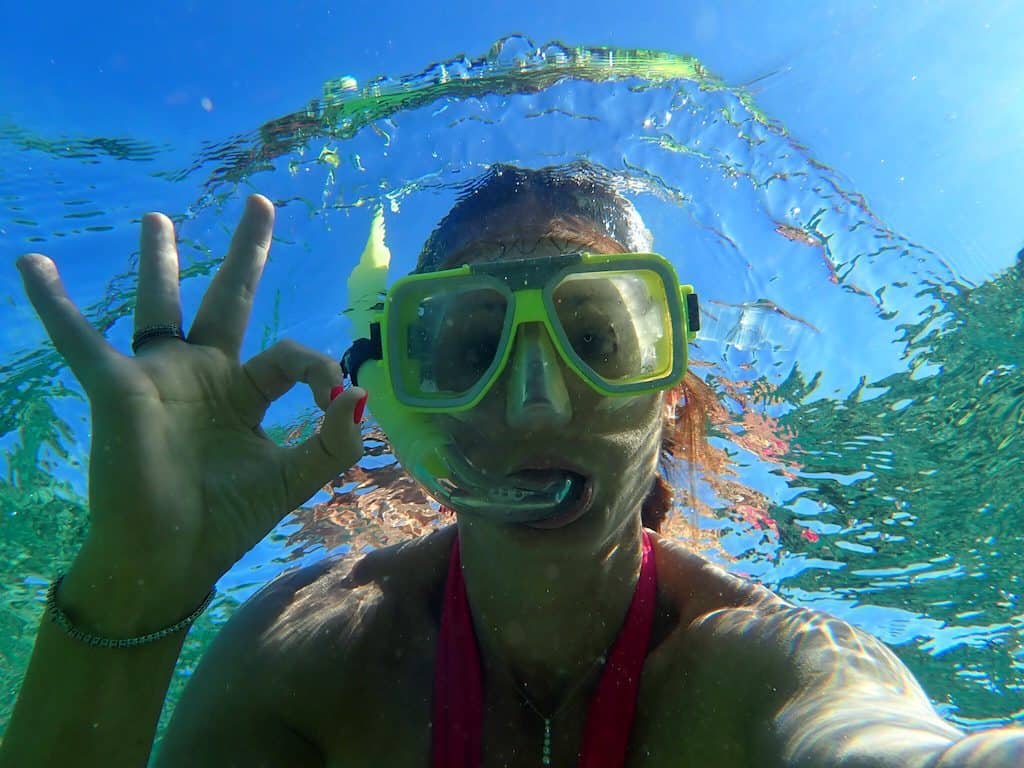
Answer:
(477, 444)
(547, 462)
(551, 463)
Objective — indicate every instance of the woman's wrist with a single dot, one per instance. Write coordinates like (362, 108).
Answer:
(113, 603)
(61, 619)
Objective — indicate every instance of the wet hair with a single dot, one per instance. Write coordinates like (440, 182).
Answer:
(579, 206)
(515, 205)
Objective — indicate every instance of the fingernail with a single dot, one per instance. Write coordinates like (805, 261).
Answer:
(335, 391)
(357, 414)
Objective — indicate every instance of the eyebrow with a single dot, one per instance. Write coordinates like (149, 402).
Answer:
(564, 239)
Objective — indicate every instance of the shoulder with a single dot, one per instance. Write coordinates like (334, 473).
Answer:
(737, 632)
(694, 676)
(295, 667)
(696, 587)
(337, 602)
(793, 685)
(317, 631)
(716, 624)
(731, 620)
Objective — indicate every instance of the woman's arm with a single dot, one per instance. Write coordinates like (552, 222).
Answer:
(1000, 748)
(832, 695)
(86, 706)
(183, 481)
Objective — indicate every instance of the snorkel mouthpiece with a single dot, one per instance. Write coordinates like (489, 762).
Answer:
(452, 480)
(520, 502)
(426, 452)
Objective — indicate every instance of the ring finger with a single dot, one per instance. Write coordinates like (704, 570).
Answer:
(158, 299)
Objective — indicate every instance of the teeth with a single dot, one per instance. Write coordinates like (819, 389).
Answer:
(532, 494)
(568, 487)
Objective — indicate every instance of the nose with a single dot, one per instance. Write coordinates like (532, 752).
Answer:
(536, 393)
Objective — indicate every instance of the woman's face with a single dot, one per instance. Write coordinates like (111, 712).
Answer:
(541, 415)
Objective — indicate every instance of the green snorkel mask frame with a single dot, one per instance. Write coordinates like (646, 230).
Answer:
(436, 343)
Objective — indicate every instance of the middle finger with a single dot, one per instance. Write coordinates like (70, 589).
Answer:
(158, 299)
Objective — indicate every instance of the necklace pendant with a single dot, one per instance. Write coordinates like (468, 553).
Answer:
(545, 757)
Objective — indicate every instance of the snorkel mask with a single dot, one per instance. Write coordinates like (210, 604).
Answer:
(436, 343)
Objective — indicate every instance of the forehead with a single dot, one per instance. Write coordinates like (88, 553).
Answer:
(539, 247)
(520, 249)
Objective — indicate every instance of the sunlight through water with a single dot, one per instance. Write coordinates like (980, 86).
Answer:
(868, 435)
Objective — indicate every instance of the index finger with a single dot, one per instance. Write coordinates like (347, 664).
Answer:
(76, 340)
(278, 368)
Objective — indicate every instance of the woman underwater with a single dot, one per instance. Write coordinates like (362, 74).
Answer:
(530, 392)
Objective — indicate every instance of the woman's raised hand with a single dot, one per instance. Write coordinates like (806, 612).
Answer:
(182, 479)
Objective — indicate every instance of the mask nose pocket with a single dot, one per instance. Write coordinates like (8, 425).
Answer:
(537, 394)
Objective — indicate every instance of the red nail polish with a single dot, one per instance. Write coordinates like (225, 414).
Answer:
(357, 414)
(335, 391)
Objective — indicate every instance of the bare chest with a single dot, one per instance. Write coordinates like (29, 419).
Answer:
(371, 705)
(684, 717)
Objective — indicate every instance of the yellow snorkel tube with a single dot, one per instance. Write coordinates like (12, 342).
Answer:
(410, 436)
(423, 449)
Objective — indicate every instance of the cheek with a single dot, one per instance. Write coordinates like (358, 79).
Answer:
(627, 420)
(633, 412)
(619, 404)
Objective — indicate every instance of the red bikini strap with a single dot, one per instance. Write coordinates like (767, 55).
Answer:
(610, 718)
(457, 724)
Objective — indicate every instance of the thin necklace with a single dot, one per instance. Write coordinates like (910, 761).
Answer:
(545, 755)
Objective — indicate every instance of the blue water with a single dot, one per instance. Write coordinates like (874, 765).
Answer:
(840, 186)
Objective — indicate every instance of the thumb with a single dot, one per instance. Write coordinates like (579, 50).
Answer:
(336, 446)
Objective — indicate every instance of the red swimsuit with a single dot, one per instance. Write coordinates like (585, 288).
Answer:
(458, 688)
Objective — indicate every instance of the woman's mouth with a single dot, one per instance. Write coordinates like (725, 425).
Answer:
(553, 473)
(574, 512)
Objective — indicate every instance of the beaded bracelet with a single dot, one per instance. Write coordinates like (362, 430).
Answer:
(62, 621)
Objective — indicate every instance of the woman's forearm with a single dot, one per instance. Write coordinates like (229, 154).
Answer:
(88, 706)
(1001, 748)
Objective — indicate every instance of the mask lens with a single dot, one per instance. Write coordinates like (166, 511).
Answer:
(447, 335)
(467, 339)
(453, 334)
(616, 324)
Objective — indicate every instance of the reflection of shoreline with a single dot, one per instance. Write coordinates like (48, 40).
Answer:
(379, 507)
(942, 449)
